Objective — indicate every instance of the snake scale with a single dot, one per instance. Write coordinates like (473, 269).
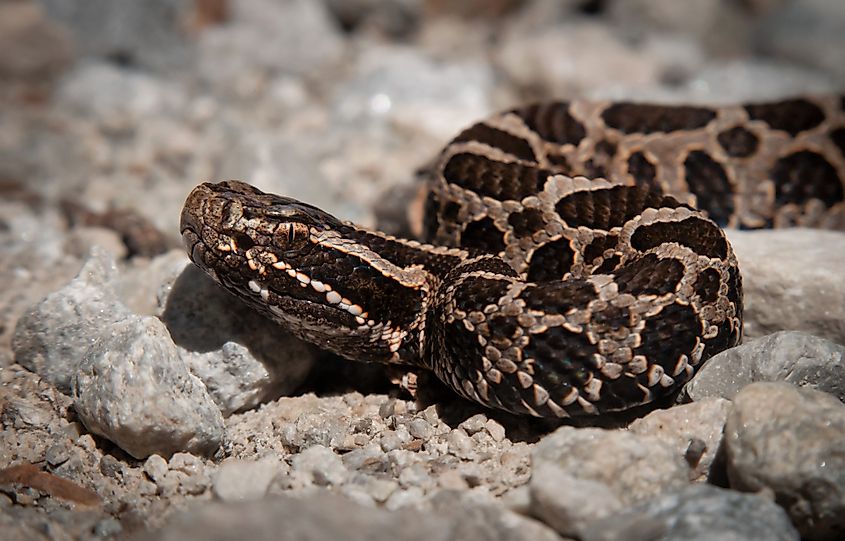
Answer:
(574, 258)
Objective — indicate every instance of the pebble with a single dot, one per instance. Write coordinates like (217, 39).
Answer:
(323, 466)
(238, 480)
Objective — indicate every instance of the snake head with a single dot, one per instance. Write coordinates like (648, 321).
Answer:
(293, 262)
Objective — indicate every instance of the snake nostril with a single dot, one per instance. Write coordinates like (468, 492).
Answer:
(243, 241)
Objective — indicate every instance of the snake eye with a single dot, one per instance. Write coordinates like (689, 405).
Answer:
(291, 235)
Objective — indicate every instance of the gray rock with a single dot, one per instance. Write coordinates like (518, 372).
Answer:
(697, 513)
(791, 441)
(151, 34)
(238, 480)
(242, 358)
(53, 336)
(695, 431)
(566, 503)
(792, 280)
(791, 356)
(635, 467)
(133, 389)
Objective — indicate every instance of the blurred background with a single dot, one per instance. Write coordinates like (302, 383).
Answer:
(112, 110)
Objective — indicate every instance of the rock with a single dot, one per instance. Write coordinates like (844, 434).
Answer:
(52, 338)
(791, 356)
(695, 431)
(133, 389)
(635, 467)
(697, 513)
(791, 441)
(569, 504)
(792, 280)
(151, 35)
(242, 358)
(238, 480)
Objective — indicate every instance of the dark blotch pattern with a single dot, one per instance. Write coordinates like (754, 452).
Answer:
(738, 142)
(476, 293)
(669, 335)
(647, 118)
(527, 222)
(791, 116)
(551, 261)
(650, 274)
(598, 246)
(559, 297)
(700, 235)
(707, 285)
(643, 171)
(482, 234)
(552, 122)
(562, 360)
(498, 139)
(492, 178)
(803, 176)
(609, 207)
(709, 182)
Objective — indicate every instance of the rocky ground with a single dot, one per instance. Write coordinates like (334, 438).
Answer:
(137, 400)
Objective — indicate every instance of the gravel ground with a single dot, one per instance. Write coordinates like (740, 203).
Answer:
(138, 401)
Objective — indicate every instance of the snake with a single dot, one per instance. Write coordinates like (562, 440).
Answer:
(573, 258)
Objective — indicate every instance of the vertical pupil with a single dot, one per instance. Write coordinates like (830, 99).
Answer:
(291, 233)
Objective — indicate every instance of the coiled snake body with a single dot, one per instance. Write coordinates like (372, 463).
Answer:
(546, 289)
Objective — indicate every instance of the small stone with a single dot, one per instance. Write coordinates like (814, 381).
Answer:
(474, 424)
(394, 439)
(111, 467)
(238, 480)
(156, 468)
(419, 428)
(791, 441)
(460, 444)
(56, 454)
(324, 467)
(496, 430)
